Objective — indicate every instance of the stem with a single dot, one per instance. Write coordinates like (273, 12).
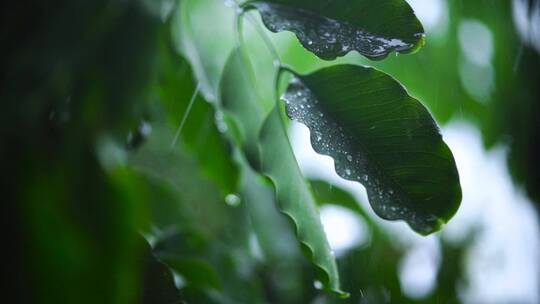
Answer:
(269, 45)
(192, 47)
(243, 52)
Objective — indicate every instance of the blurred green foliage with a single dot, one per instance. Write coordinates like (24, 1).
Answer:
(79, 77)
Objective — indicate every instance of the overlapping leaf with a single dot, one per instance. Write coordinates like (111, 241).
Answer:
(331, 29)
(381, 137)
(265, 140)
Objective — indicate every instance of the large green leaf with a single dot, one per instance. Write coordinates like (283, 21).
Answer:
(333, 28)
(381, 137)
(264, 140)
(295, 198)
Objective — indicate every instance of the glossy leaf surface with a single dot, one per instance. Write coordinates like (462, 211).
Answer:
(381, 137)
(331, 29)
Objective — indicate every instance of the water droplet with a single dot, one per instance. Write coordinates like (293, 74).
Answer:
(310, 42)
(232, 200)
(317, 285)
(365, 177)
(222, 126)
(145, 128)
(348, 171)
(220, 122)
(349, 157)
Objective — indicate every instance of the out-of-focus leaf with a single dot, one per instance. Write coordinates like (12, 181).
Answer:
(196, 272)
(192, 221)
(332, 29)
(282, 261)
(157, 284)
(173, 87)
(326, 193)
(381, 137)
(205, 44)
(275, 234)
(72, 71)
(240, 99)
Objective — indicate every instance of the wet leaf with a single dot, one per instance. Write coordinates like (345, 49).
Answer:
(381, 137)
(331, 29)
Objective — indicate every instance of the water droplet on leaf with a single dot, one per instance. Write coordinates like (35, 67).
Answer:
(232, 200)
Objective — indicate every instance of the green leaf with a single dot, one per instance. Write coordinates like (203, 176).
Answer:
(157, 284)
(197, 272)
(381, 137)
(174, 86)
(330, 29)
(265, 143)
(206, 44)
(326, 193)
(295, 198)
(245, 106)
(275, 234)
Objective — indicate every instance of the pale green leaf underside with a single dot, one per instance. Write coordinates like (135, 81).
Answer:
(265, 143)
(331, 29)
(295, 198)
(381, 137)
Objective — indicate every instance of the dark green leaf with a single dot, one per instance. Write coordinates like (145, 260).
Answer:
(175, 86)
(381, 137)
(197, 272)
(157, 280)
(333, 28)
